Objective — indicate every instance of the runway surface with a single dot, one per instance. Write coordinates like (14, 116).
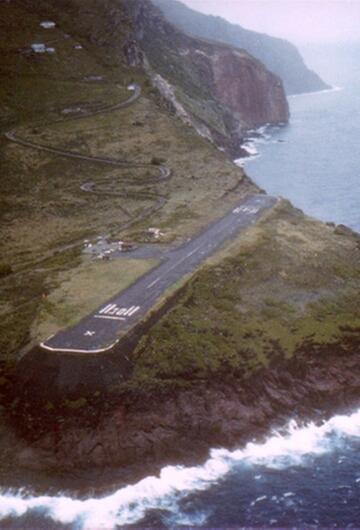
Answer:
(100, 330)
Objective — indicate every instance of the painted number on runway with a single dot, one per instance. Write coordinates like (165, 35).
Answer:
(114, 312)
(246, 209)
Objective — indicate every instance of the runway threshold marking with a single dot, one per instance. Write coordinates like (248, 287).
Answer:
(246, 209)
(114, 312)
(239, 209)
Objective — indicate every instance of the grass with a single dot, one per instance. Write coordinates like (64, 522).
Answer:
(286, 282)
(265, 297)
(80, 292)
(43, 210)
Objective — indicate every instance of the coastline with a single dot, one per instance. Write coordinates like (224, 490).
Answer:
(141, 432)
(317, 92)
(131, 503)
(302, 390)
(263, 133)
(262, 340)
(135, 428)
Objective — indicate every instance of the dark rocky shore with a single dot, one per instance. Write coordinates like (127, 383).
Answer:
(120, 438)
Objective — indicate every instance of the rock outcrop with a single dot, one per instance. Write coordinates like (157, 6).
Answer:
(278, 55)
(220, 87)
(181, 426)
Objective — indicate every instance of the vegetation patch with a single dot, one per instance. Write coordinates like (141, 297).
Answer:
(289, 283)
(45, 216)
(82, 290)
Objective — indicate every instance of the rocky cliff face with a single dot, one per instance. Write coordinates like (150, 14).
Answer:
(278, 55)
(181, 426)
(255, 95)
(221, 88)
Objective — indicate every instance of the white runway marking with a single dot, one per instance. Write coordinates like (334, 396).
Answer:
(109, 317)
(115, 312)
(89, 333)
(174, 266)
(153, 283)
(107, 308)
(246, 209)
(130, 312)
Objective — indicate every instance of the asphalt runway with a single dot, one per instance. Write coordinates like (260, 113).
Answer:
(100, 330)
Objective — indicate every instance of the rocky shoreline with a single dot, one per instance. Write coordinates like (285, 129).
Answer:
(122, 438)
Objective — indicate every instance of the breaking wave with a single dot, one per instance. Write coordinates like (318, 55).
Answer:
(255, 137)
(130, 504)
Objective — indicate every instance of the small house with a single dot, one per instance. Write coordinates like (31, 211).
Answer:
(38, 47)
(47, 24)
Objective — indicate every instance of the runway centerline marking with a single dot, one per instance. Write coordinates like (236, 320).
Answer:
(174, 266)
(121, 314)
(153, 283)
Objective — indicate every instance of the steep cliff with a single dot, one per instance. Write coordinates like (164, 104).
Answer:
(219, 87)
(278, 55)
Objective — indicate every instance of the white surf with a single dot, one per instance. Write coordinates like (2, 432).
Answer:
(129, 504)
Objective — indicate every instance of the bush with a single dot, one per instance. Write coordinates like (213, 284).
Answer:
(5, 269)
(157, 161)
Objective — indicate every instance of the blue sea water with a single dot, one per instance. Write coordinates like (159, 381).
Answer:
(315, 160)
(304, 476)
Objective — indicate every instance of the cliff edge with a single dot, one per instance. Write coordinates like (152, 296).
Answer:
(222, 90)
(278, 55)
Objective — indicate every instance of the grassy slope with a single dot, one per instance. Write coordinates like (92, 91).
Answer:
(43, 211)
(287, 283)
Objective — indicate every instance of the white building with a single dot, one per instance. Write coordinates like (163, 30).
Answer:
(38, 48)
(47, 24)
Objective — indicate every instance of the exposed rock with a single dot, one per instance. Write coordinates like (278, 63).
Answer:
(278, 55)
(224, 90)
(163, 429)
(134, 55)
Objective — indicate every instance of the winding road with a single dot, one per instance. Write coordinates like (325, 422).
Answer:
(164, 172)
(101, 330)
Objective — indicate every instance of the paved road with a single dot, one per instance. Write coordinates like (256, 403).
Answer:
(100, 331)
(158, 200)
(164, 172)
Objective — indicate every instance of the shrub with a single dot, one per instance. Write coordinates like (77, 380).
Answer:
(157, 161)
(5, 269)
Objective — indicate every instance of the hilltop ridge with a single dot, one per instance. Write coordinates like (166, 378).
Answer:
(278, 55)
(222, 90)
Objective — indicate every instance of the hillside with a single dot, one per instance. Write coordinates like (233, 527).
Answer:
(45, 214)
(268, 326)
(223, 91)
(278, 55)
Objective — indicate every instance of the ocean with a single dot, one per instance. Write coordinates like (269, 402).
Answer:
(302, 477)
(306, 476)
(315, 160)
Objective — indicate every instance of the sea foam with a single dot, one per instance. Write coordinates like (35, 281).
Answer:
(129, 504)
(254, 137)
